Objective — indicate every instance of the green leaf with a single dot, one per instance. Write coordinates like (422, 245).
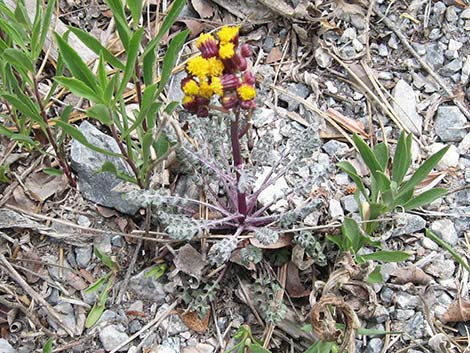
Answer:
(95, 46)
(111, 168)
(375, 276)
(47, 348)
(170, 58)
(156, 271)
(24, 105)
(425, 198)
(75, 64)
(423, 171)
(135, 6)
(17, 35)
(53, 171)
(77, 87)
(367, 155)
(101, 113)
(94, 315)
(257, 348)
(349, 169)
(117, 9)
(386, 256)
(383, 182)
(77, 135)
(4, 169)
(45, 26)
(161, 145)
(382, 155)
(343, 243)
(105, 259)
(98, 283)
(402, 158)
(321, 347)
(149, 52)
(18, 59)
(132, 52)
(21, 15)
(350, 229)
(447, 247)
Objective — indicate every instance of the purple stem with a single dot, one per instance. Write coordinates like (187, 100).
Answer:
(238, 162)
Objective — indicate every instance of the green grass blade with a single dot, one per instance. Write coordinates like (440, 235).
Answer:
(132, 52)
(425, 198)
(117, 9)
(423, 171)
(447, 247)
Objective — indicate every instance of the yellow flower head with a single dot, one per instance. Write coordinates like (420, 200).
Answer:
(191, 88)
(205, 90)
(203, 38)
(198, 66)
(228, 34)
(246, 92)
(188, 99)
(216, 86)
(227, 50)
(216, 66)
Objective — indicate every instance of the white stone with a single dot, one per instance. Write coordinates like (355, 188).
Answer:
(273, 192)
(454, 45)
(335, 210)
(405, 105)
(450, 159)
(444, 229)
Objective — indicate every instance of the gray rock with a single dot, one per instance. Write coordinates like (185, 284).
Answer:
(416, 326)
(169, 345)
(383, 50)
(335, 210)
(172, 325)
(83, 221)
(450, 158)
(435, 55)
(348, 35)
(263, 117)
(349, 203)
(111, 337)
(83, 255)
(98, 187)
(439, 8)
(299, 89)
(451, 68)
(5, 347)
(403, 314)
(375, 345)
(441, 268)
(103, 243)
(465, 15)
(322, 58)
(66, 313)
(358, 21)
(454, 45)
(444, 229)
(405, 105)
(429, 244)
(435, 34)
(406, 301)
(449, 124)
(134, 326)
(407, 224)
(451, 15)
(335, 148)
(147, 288)
(386, 295)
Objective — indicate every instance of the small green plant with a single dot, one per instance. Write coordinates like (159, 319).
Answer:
(47, 348)
(246, 342)
(27, 120)
(140, 135)
(388, 188)
(104, 283)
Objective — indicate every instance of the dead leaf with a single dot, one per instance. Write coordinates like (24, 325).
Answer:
(21, 200)
(35, 265)
(298, 255)
(458, 311)
(348, 123)
(189, 261)
(351, 9)
(293, 285)
(75, 281)
(430, 181)
(42, 186)
(411, 274)
(106, 212)
(237, 259)
(192, 320)
(203, 8)
(274, 56)
(195, 27)
(283, 241)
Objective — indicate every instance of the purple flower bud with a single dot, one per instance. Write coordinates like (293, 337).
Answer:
(209, 49)
(229, 101)
(248, 105)
(245, 50)
(229, 81)
(243, 64)
(202, 112)
(249, 78)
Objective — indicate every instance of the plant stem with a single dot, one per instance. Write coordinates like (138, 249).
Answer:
(50, 136)
(129, 160)
(238, 162)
